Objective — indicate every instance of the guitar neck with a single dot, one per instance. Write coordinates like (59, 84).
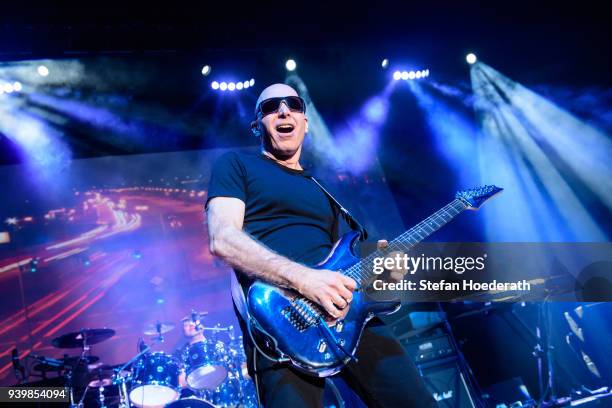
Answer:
(362, 271)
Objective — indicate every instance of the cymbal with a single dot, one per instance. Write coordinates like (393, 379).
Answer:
(152, 329)
(77, 339)
(72, 361)
(102, 382)
(52, 364)
(113, 367)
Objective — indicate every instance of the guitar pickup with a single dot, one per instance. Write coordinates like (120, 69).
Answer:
(295, 318)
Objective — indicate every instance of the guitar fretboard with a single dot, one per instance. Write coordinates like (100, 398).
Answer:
(362, 271)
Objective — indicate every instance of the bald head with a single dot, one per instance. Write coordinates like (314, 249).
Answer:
(275, 91)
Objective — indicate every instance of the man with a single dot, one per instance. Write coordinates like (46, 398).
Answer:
(269, 221)
(193, 334)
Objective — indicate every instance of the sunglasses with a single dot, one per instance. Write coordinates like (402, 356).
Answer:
(271, 105)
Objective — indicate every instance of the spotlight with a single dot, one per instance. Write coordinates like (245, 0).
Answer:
(17, 86)
(43, 70)
(411, 75)
(384, 63)
(239, 85)
(8, 88)
(290, 65)
(252, 82)
(223, 86)
(397, 75)
(214, 85)
(470, 58)
(206, 70)
(418, 74)
(246, 84)
(426, 72)
(231, 86)
(404, 75)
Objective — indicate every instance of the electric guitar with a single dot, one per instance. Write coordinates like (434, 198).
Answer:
(294, 329)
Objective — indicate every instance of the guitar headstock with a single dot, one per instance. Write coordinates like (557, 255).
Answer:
(476, 197)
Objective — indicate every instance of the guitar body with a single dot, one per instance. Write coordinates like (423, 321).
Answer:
(286, 322)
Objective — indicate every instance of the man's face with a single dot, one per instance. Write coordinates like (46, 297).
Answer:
(283, 130)
(189, 328)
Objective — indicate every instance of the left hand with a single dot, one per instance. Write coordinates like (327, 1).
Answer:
(395, 274)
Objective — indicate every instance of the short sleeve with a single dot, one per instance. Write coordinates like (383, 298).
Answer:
(228, 178)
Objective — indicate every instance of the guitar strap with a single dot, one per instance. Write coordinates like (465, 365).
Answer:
(346, 215)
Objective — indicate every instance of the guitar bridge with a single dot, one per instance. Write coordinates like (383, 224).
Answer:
(300, 314)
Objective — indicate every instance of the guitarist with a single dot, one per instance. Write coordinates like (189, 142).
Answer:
(269, 221)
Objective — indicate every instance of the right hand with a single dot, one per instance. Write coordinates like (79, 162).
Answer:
(331, 290)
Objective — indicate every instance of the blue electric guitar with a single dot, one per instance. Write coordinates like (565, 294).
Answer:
(296, 330)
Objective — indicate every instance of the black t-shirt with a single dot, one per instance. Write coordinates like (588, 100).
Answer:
(284, 209)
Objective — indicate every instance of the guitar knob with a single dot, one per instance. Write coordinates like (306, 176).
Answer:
(322, 346)
(339, 326)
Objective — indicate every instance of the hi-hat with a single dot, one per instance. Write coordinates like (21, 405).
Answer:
(102, 382)
(158, 328)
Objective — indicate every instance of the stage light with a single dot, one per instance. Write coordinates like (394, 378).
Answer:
(11, 221)
(214, 85)
(418, 74)
(397, 75)
(246, 84)
(206, 70)
(405, 75)
(239, 85)
(384, 63)
(43, 70)
(223, 86)
(252, 82)
(17, 86)
(231, 86)
(539, 158)
(426, 72)
(411, 75)
(7, 88)
(290, 65)
(470, 58)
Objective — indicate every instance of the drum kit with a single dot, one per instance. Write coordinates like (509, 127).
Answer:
(210, 372)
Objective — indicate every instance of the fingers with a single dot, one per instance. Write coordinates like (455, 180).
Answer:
(345, 293)
(339, 301)
(382, 244)
(348, 282)
(331, 309)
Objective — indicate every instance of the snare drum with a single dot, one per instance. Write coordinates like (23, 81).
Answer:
(204, 366)
(155, 381)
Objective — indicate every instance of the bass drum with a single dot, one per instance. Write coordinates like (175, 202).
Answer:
(190, 402)
(155, 381)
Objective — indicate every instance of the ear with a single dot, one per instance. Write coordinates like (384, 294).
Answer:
(255, 128)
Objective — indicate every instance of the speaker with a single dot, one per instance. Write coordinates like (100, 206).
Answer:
(447, 384)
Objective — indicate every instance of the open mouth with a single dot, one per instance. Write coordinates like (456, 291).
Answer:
(285, 128)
